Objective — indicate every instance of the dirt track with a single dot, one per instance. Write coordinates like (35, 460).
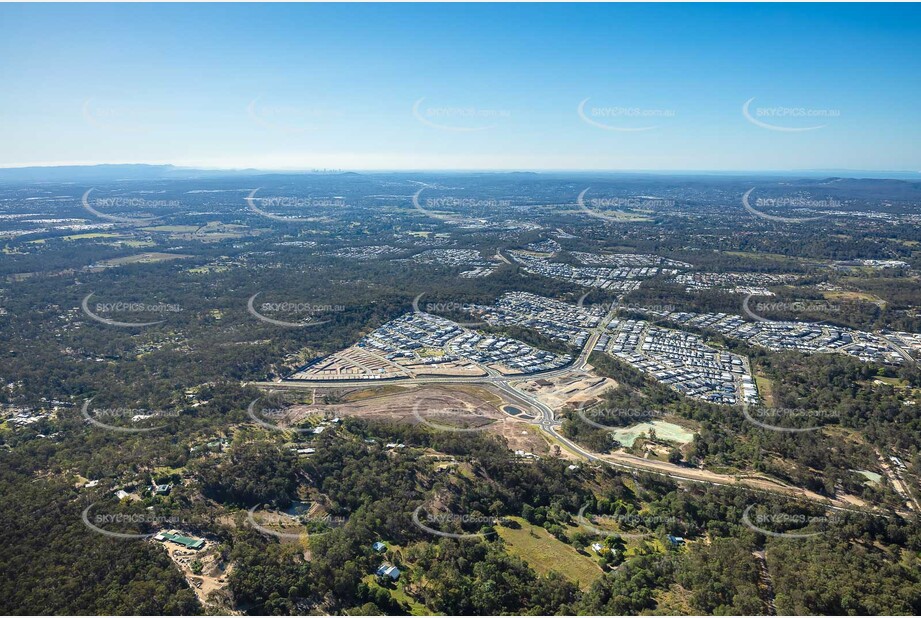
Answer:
(724, 479)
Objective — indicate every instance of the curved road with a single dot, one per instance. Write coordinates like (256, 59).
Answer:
(549, 424)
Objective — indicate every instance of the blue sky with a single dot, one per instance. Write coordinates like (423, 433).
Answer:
(463, 86)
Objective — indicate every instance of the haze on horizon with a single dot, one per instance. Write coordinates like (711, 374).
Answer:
(413, 87)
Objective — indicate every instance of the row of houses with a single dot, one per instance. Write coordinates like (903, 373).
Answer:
(683, 361)
(561, 321)
(804, 337)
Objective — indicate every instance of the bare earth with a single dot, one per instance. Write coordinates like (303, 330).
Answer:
(213, 576)
(464, 407)
(568, 389)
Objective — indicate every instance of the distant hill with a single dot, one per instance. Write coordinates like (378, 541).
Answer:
(905, 184)
(867, 188)
(110, 172)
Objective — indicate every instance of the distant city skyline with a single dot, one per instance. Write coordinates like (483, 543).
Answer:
(651, 88)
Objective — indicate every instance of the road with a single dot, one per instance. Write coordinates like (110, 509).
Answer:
(902, 351)
(548, 423)
(894, 475)
(578, 365)
(767, 583)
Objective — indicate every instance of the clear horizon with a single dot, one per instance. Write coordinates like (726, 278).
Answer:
(598, 88)
(770, 172)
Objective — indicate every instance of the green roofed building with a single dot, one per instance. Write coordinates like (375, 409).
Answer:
(185, 541)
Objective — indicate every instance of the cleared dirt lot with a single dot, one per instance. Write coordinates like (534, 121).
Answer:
(569, 389)
(459, 407)
(357, 363)
(213, 577)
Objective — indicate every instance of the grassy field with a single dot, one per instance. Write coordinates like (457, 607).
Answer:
(544, 553)
(143, 258)
(634, 543)
(90, 235)
(372, 393)
(848, 295)
(201, 270)
(664, 431)
(86, 236)
(765, 389)
(415, 608)
(213, 230)
(673, 602)
(171, 228)
(872, 477)
(430, 352)
(757, 255)
(486, 395)
(893, 382)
